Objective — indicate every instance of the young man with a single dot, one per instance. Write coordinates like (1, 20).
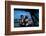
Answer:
(22, 21)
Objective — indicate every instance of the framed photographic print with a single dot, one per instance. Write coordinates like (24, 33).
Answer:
(24, 17)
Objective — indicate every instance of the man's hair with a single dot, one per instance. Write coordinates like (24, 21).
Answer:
(26, 17)
(21, 16)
